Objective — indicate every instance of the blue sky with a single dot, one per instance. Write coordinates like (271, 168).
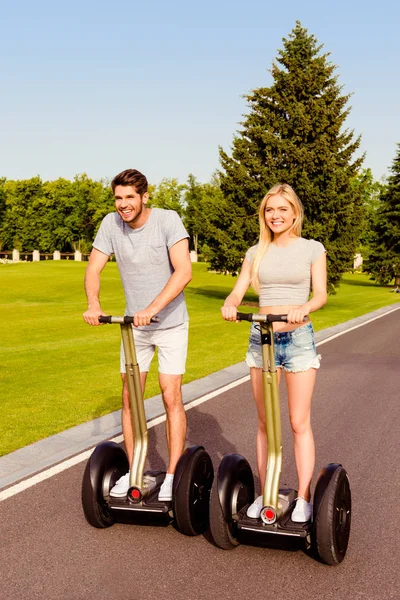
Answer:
(98, 87)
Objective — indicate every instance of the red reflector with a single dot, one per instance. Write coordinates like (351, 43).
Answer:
(269, 514)
(135, 494)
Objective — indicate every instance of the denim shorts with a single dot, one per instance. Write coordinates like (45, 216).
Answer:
(294, 350)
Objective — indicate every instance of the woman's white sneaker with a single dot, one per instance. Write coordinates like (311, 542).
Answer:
(302, 512)
(254, 509)
(121, 487)
(165, 493)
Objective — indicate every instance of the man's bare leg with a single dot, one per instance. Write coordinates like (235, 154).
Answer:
(176, 417)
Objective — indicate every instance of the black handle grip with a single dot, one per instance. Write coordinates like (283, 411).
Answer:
(256, 318)
(244, 316)
(277, 318)
(105, 319)
(127, 320)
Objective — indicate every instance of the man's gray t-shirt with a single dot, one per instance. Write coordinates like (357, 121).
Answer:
(143, 260)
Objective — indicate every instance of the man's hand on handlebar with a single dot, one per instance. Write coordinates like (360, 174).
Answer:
(143, 317)
(91, 316)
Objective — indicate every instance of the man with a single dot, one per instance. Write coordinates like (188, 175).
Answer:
(152, 251)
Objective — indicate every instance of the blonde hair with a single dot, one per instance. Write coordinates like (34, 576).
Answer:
(266, 235)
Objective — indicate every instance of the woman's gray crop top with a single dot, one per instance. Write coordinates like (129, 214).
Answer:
(285, 273)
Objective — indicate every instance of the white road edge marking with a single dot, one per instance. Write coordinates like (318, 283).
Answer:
(71, 462)
(332, 337)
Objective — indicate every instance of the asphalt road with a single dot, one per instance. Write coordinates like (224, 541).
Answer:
(48, 550)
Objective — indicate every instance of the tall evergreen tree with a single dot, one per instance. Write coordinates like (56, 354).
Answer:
(294, 134)
(384, 259)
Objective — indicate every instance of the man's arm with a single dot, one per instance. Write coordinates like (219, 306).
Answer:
(96, 264)
(180, 259)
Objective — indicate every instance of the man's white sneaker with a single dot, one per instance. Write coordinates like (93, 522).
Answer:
(121, 487)
(302, 512)
(165, 493)
(254, 509)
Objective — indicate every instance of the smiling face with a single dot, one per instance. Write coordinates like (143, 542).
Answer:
(279, 214)
(131, 206)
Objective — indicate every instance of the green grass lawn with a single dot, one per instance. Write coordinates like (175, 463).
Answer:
(56, 371)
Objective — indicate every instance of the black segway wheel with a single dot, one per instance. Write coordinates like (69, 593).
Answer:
(105, 466)
(332, 515)
(191, 491)
(232, 490)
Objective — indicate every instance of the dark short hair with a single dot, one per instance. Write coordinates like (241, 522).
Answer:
(131, 177)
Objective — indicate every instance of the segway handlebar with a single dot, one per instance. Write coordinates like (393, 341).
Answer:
(256, 318)
(126, 320)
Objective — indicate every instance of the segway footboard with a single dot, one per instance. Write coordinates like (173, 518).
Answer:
(283, 533)
(142, 505)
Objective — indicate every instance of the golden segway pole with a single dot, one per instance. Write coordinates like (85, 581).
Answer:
(272, 507)
(139, 423)
(273, 420)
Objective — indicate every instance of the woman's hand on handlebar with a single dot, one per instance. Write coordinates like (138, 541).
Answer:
(229, 312)
(297, 315)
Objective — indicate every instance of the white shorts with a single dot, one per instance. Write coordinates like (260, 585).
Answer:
(172, 346)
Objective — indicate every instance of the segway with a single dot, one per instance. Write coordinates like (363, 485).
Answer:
(233, 488)
(193, 477)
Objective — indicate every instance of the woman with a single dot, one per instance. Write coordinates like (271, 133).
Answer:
(282, 268)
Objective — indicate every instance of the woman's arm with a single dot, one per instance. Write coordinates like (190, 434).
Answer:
(229, 309)
(319, 294)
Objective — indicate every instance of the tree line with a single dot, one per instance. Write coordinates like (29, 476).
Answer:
(294, 132)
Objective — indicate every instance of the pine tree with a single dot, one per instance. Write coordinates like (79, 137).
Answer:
(294, 134)
(383, 262)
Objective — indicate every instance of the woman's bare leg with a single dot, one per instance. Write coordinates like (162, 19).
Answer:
(300, 388)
